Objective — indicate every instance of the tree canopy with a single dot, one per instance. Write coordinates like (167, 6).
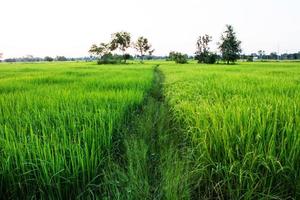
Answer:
(230, 46)
(121, 41)
(203, 55)
(100, 50)
(142, 46)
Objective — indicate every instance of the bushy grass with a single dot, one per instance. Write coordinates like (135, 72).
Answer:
(57, 124)
(242, 127)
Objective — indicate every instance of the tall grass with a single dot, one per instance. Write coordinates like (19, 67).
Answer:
(79, 130)
(243, 127)
(57, 124)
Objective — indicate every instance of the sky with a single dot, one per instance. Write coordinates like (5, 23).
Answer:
(69, 27)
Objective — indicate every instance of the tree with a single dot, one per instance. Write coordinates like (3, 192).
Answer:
(203, 55)
(121, 41)
(230, 46)
(202, 47)
(1, 54)
(172, 56)
(261, 53)
(61, 58)
(181, 58)
(142, 46)
(48, 59)
(151, 52)
(101, 50)
(273, 56)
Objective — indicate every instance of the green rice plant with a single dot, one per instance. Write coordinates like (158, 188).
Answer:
(79, 130)
(58, 123)
(243, 127)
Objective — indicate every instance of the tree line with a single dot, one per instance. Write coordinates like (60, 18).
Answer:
(30, 58)
(107, 53)
(261, 55)
(229, 46)
(120, 41)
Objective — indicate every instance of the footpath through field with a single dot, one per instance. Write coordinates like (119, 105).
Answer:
(152, 164)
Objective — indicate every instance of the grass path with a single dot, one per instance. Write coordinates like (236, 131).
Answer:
(151, 167)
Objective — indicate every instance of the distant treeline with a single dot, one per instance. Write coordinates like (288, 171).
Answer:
(62, 58)
(47, 58)
(272, 56)
(251, 57)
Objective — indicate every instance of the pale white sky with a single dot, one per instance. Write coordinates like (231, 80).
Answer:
(70, 27)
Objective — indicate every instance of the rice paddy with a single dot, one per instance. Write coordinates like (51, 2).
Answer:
(148, 131)
(58, 122)
(242, 124)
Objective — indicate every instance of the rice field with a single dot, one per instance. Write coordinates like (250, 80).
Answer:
(57, 123)
(242, 127)
(150, 131)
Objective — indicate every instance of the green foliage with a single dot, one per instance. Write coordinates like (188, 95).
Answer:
(181, 58)
(48, 59)
(250, 59)
(230, 46)
(101, 50)
(61, 58)
(142, 46)
(110, 59)
(121, 41)
(207, 58)
(127, 56)
(178, 57)
(203, 55)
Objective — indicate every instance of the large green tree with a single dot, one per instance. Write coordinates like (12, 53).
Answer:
(230, 46)
(121, 41)
(203, 55)
(142, 46)
(101, 50)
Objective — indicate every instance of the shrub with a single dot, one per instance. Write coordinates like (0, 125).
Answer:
(48, 59)
(181, 58)
(178, 57)
(207, 58)
(110, 59)
(128, 57)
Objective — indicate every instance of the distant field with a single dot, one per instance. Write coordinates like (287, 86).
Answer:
(150, 131)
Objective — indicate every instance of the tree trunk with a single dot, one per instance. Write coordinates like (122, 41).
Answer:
(142, 58)
(124, 57)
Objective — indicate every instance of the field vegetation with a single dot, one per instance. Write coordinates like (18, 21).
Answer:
(58, 123)
(241, 128)
(157, 130)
